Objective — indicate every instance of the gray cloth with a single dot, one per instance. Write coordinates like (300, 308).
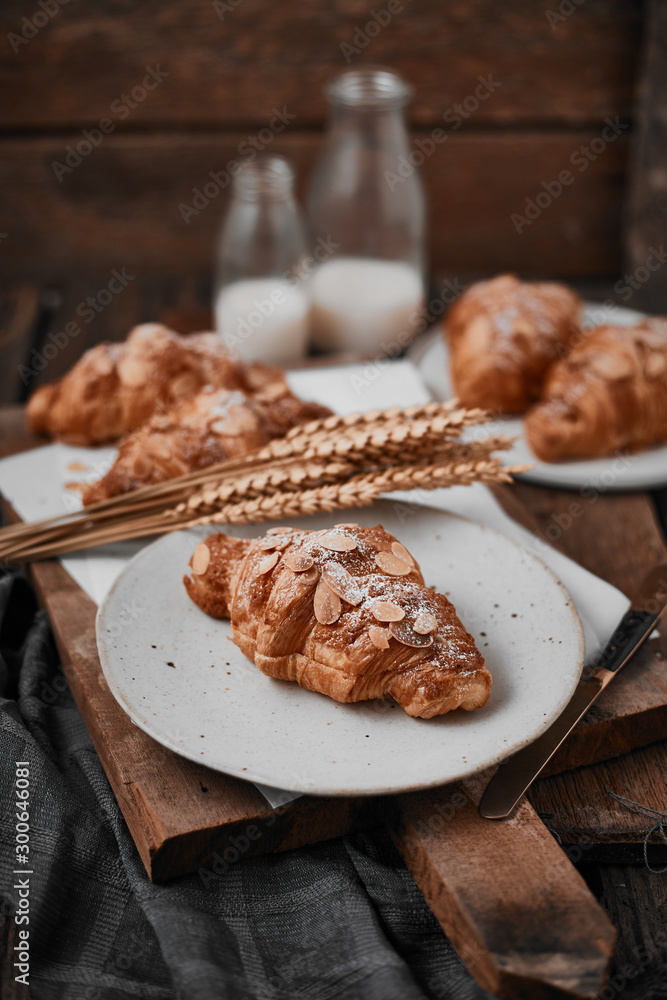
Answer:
(339, 920)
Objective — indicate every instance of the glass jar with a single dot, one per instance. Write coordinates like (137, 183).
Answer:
(366, 200)
(261, 305)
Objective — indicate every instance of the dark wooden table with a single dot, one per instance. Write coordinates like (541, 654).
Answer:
(617, 537)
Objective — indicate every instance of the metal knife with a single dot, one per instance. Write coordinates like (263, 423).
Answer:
(515, 775)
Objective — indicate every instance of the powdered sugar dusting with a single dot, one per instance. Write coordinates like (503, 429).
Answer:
(359, 584)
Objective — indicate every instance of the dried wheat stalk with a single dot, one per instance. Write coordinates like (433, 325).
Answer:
(360, 491)
(313, 474)
(333, 463)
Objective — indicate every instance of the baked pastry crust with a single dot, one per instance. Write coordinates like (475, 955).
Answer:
(113, 388)
(610, 393)
(343, 611)
(213, 426)
(502, 335)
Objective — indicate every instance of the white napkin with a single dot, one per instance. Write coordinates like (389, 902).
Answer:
(35, 483)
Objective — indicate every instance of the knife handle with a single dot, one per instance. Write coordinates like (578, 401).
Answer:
(516, 774)
(629, 634)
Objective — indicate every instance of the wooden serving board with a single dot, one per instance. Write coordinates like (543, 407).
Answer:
(184, 818)
(542, 935)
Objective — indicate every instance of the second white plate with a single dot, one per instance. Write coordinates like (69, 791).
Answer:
(181, 680)
(644, 470)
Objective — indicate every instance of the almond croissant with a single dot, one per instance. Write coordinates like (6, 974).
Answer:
(115, 387)
(610, 393)
(213, 426)
(343, 611)
(502, 335)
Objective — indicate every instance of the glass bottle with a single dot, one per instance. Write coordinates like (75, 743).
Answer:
(366, 201)
(261, 305)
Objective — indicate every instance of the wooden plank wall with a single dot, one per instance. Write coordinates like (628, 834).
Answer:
(66, 66)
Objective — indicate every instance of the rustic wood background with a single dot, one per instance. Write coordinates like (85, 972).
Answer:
(561, 76)
(559, 81)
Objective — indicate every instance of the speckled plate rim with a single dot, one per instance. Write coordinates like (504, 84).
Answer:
(646, 469)
(269, 778)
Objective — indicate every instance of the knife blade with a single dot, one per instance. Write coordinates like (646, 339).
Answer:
(515, 775)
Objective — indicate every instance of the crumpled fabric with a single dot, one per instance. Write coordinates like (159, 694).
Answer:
(342, 919)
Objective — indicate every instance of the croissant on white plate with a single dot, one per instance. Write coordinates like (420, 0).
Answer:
(502, 335)
(343, 611)
(608, 394)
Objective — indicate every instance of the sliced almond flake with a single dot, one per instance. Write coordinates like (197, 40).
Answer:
(401, 552)
(425, 623)
(347, 524)
(342, 582)
(282, 541)
(379, 636)
(171, 467)
(389, 563)
(310, 576)
(201, 558)
(655, 365)
(158, 447)
(132, 373)
(142, 466)
(299, 562)
(386, 611)
(274, 390)
(243, 416)
(185, 384)
(267, 544)
(326, 604)
(226, 427)
(267, 563)
(407, 635)
(279, 531)
(336, 542)
(611, 366)
(102, 365)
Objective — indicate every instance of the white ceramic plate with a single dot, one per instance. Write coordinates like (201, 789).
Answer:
(645, 470)
(181, 680)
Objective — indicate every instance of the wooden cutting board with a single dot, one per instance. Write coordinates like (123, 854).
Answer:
(180, 813)
(540, 935)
